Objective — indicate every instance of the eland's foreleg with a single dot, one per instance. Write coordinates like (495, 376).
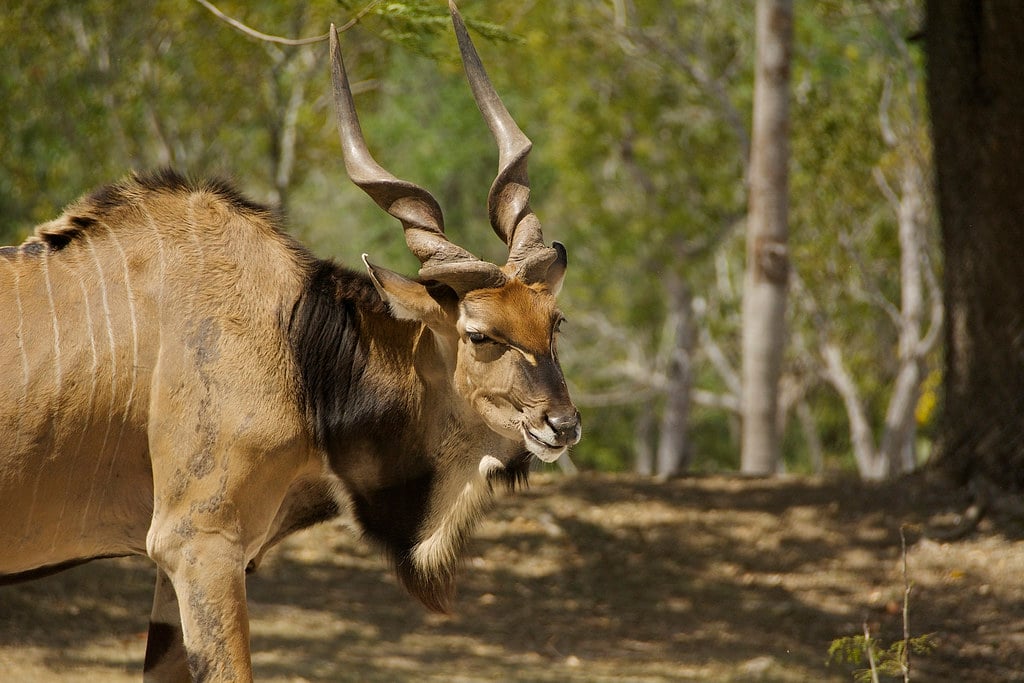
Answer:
(224, 451)
(165, 649)
(213, 511)
(206, 569)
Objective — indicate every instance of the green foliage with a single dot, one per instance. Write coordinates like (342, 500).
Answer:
(114, 90)
(416, 25)
(888, 661)
(639, 113)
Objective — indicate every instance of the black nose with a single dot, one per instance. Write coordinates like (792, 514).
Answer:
(567, 427)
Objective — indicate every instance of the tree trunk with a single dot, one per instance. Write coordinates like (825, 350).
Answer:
(673, 454)
(809, 426)
(897, 447)
(862, 438)
(643, 444)
(976, 94)
(764, 293)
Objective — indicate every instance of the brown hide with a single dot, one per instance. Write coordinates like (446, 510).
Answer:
(163, 331)
(183, 380)
(148, 304)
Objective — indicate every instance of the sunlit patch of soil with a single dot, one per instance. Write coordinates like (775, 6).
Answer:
(593, 578)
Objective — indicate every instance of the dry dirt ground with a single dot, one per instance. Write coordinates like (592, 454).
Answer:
(593, 578)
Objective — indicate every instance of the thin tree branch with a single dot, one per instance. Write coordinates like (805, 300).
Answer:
(905, 655)
(259, 35)
(711, 85)
(886, 188)
(869, 649)
(718, 359)
(835, 372)
(888, 135)
(710, 399)
(937, 314)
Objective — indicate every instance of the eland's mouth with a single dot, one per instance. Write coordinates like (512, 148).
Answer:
(545, 447)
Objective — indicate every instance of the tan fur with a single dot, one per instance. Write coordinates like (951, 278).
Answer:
(523, 315)
(435, 552)
(180, 379)
(124, 368)
(152, 406)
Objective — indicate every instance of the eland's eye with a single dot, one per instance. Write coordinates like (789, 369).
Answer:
(478, 337)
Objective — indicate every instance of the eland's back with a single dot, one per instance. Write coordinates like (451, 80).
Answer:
(134, 316)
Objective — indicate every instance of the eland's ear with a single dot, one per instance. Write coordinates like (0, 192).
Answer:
(407, 299)
(556, 271)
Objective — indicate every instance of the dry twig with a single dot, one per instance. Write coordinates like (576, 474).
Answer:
(259, 35)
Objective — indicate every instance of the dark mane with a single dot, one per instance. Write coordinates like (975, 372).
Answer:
(323, 329)
(100, 204)
(515, 475)
(168, 180)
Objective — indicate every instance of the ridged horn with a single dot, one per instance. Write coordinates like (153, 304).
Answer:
(508, 202)
(418, 211)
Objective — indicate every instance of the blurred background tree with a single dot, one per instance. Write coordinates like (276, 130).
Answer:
(640, 115)
(976, 97)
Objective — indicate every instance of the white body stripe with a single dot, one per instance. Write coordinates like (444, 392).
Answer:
(58, 383)
(57, 370)
(134, 362)
(21, 348)
(93, 374)
(105, 300)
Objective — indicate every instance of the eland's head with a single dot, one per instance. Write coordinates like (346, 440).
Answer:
(498, 325)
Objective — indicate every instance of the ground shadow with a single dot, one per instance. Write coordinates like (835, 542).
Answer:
(601, 578)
